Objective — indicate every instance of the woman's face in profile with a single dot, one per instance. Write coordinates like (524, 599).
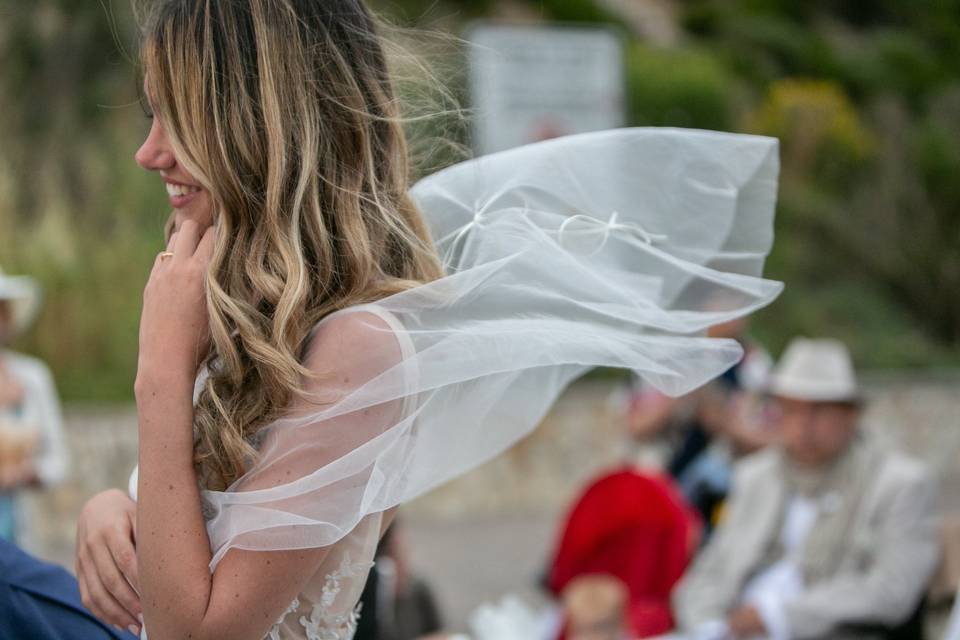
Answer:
(188, 199)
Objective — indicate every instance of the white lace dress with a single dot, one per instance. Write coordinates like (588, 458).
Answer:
(328, 608)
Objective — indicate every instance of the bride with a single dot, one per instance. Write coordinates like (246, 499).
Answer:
(319, 343)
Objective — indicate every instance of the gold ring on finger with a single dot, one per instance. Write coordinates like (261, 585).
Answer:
(166, 254)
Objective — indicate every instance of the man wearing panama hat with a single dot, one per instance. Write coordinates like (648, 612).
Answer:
(827, 535)
(32, 447)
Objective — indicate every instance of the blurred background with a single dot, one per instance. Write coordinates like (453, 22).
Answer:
(864, 96)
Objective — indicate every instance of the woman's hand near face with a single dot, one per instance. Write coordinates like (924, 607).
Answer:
(106, 562)
(174, 325)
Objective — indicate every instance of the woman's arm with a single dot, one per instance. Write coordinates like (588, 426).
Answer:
(180, 598)
(249, 590)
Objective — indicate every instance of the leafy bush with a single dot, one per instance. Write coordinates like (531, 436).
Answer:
(679, 87)
(863, 95)
(819, 128)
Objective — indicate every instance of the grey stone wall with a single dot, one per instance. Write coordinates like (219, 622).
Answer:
(582, 435)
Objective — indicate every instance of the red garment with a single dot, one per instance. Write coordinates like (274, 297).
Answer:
(638, 528)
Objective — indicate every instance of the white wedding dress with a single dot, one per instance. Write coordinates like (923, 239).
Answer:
(618, 248)
(328, 608)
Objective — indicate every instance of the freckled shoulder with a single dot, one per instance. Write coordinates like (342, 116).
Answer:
(354, 345)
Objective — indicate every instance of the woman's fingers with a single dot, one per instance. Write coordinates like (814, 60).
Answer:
(172, 242)
(98, 600)
(132, 518)
(111, 577)
(124, 556)
(205, 248)
(189, 241)
(82, 584)
(188, 236)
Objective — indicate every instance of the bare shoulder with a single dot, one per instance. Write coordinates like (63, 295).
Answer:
(360, 340)
(367, 324)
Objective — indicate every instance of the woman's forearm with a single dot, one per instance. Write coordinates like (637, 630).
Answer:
(173, 551)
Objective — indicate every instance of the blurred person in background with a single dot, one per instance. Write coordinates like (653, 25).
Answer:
(33, 450)
(595, 608)
(953, 624)
(829, 534)
(631, 528)
(697, 437)
(396, 603)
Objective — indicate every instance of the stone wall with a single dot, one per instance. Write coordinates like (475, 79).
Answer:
(580, 437)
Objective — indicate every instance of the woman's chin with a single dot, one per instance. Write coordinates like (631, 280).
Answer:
(204, 219)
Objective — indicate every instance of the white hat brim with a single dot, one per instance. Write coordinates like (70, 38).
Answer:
(23, 294)
(813, 390)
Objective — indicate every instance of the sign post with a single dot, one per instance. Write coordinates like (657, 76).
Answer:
(531, 83)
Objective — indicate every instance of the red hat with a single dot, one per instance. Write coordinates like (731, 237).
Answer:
(638, 528)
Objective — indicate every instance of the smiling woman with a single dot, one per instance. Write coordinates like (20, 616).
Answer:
(319, 343)
(189, 200)
(283, 117)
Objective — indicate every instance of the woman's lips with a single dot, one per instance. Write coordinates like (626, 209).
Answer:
(181, 194)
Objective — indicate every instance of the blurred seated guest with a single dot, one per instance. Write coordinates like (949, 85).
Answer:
(32, 447)
(633, 528)
(697, 437)
(514, 617)
(829, 534)
(953, 625)
(595, 608)
(396, 604)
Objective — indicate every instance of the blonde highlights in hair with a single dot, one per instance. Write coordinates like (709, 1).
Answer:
(284, 111)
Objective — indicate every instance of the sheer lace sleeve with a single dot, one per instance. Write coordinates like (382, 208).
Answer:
(320, 462)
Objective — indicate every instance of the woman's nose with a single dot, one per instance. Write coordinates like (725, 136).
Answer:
(155, 153)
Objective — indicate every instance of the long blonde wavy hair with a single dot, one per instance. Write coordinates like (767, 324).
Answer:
(284, 111)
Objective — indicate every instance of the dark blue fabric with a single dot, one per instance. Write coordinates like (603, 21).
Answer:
(41, 601)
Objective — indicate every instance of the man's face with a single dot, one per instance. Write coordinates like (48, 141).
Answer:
(598, 628)
(594, 608)
(813, 434)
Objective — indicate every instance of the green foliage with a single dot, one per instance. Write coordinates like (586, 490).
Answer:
(864, 95)
(878, 333)
(425, 12)
(76, 212)
(863, 98)
(679, 87)
(820, 131)
(577, 11)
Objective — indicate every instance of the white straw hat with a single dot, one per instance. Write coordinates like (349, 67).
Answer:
(23, 294)
(815, 370)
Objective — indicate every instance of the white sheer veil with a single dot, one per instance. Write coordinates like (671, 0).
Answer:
(614, 249)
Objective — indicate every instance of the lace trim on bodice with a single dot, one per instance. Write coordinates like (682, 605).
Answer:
(324, 623)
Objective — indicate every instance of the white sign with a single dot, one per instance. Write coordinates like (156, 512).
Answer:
(531, 83)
